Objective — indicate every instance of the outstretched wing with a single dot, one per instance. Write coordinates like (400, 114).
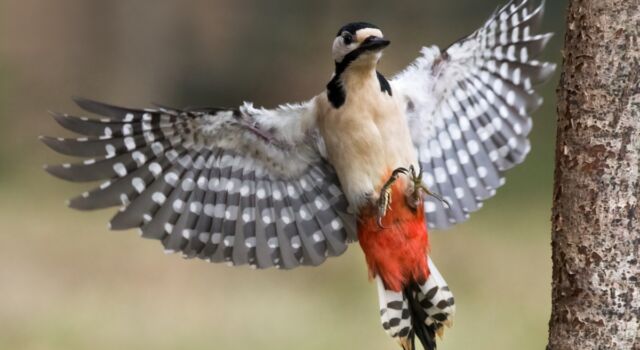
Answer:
(243, 186)
(469, 108)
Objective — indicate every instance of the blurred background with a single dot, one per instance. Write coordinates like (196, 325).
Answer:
(66, 282)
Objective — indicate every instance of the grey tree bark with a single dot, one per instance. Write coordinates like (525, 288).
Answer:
(596, 214)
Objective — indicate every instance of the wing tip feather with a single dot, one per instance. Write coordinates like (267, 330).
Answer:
(101, 108)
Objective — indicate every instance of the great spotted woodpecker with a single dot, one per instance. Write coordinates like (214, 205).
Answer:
(366, 160)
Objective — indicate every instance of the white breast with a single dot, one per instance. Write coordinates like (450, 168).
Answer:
(366, 138)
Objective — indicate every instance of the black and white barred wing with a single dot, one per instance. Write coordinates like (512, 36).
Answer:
(469, 108)
(242, 186)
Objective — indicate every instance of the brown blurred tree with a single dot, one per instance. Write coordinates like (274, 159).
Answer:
(596, 215)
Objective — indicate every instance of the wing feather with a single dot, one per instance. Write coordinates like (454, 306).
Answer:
(239, 186)
(470, 107)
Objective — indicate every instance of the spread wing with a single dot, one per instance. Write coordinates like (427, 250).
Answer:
(469, 108)
(242, 186)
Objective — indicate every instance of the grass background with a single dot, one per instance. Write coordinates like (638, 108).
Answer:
(66, 282)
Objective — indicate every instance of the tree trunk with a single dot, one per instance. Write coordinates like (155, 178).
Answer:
(596, 214)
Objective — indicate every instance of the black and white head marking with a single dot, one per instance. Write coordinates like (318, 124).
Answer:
(354, 42)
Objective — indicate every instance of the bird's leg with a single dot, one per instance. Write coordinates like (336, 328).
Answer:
(384, 201)
(420, 190)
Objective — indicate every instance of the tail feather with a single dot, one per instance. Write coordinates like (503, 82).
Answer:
(426, 333)
(436, 298)
(394, 312)
(420, 310)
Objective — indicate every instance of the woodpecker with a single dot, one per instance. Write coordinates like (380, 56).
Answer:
(370, 159)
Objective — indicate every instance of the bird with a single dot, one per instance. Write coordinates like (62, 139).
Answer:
(371, 160)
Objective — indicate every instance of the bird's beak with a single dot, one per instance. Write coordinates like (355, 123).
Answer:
(374, 43)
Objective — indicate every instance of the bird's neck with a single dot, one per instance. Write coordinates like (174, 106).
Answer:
(347, 80)
(357, 77)
(361, 67)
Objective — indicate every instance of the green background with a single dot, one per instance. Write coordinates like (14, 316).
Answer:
(68, 283)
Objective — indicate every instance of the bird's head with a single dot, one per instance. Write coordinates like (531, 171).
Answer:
(358, 44)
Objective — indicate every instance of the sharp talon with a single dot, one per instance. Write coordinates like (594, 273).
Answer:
(380, 225)
(436, 196)
(415, 176)
(384, 202)
(418, 184)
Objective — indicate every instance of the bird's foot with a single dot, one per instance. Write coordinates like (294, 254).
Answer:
(384, 200)
(419, 191)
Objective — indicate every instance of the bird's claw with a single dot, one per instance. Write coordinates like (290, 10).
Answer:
(419, 186)
(415, 197)
(436, 196)
(384, 201)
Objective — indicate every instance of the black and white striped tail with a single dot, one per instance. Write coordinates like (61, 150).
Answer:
(419, 311)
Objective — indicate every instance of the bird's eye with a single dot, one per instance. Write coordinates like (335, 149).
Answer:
(347, 38)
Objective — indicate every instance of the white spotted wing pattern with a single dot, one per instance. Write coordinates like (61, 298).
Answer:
(469, 108)
(242, 186)
(252, 186)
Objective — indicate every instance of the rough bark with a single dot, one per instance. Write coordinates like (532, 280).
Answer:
(596, 228)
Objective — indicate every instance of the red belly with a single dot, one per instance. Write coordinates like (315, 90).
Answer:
(398, 252)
